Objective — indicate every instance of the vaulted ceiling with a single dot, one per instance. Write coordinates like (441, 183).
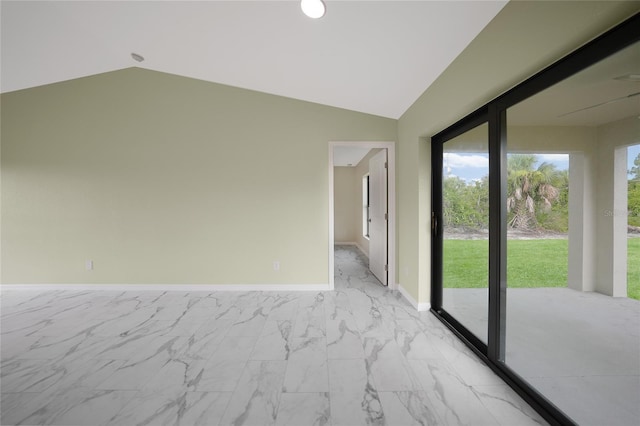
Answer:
(376, 57)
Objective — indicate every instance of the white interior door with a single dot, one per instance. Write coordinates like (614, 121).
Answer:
(378, 215)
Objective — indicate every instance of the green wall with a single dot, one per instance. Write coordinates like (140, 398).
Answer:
(168, 180)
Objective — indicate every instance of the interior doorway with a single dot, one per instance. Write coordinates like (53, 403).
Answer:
(380, 210)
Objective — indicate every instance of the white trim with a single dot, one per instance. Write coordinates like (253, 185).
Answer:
(391, 194)
(362, 250)
(167, 287)
(331, 222)
(420, 307)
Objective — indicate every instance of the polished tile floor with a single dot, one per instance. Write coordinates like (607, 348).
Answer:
(360, 355)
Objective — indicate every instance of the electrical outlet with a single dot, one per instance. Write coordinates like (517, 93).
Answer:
(88, 265)
(276, 265)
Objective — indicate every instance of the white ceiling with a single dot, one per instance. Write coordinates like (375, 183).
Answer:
(376, 57)
(348, 156)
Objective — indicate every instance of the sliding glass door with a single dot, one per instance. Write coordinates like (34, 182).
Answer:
(465, 229)
(567, 243)
(532, 226)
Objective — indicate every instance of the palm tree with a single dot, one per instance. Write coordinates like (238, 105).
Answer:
(529, 188)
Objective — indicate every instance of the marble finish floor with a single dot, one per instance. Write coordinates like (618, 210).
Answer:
(360, 355)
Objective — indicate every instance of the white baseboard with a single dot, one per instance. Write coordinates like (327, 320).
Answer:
(166, 287)
(346, 243)
(365, 252)
(353, 244)
(420, 307)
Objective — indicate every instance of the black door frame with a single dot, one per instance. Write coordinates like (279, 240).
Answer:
(494, 113)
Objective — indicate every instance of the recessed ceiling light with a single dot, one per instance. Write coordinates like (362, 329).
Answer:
(629, 77)
(313, 8)
(136, 57)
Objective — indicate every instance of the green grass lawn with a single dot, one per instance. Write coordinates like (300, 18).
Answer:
(530, 263)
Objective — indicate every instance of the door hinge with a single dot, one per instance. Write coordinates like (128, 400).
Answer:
(386, 165)
(434, 221)
(386, 216)
(386, 268)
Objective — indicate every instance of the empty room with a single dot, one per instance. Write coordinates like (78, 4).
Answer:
(320, 212)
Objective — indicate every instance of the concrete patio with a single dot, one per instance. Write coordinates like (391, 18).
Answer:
(579, 349)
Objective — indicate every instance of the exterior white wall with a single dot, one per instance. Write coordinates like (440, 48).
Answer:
(611, 199)
(617, 287)
(611, 239)
(582, 221)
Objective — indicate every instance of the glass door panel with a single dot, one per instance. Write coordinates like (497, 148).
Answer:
(558, 314)
(465, 230)
(571, 314)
